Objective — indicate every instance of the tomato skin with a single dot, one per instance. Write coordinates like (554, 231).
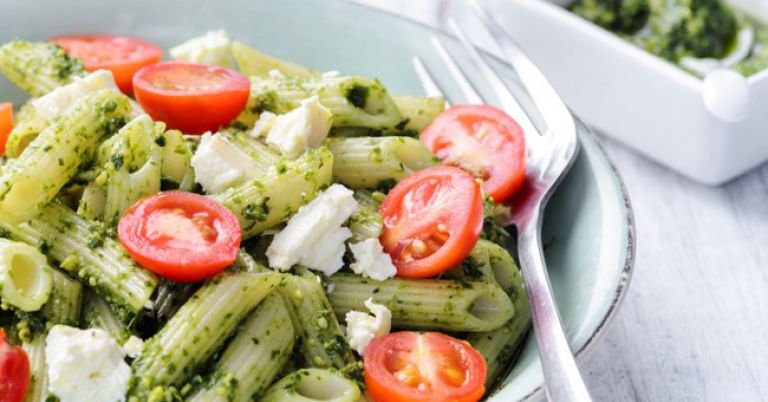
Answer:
(122, 55)
(396, 364)
(484, 141)
(6, 124)
(440, 208)
(181, 236)
(14, 371)
(192, 98)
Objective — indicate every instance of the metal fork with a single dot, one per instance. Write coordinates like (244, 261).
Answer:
(550, 153)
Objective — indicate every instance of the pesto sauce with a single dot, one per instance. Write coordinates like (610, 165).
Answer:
(674, 29)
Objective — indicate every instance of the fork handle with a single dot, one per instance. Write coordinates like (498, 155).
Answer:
(562, 378)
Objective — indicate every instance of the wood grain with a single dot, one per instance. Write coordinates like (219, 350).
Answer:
(694, 325)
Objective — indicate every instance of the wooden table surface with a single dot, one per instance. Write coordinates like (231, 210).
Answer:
(694, 325)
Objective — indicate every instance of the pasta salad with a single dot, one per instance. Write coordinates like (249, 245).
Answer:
(228, 226)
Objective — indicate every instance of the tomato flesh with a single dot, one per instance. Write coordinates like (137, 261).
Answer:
(6, 124)
(432, 220)
(181, 236)
(484, 141)
(121, 55)
(14, 371)
(412, 366)
(192, 98)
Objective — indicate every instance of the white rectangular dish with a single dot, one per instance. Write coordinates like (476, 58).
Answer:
(642, 100)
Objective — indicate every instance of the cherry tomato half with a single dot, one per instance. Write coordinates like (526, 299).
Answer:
(192, 98)
(181, 236)
(14, 371)
(122, 55)
(484, 141)
(6, 124)
(416, 367)
(432, 220)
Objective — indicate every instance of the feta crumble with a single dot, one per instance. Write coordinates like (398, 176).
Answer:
(363, 327)
(314, 236)
(300, 129)
(218, 164)
(263, 124)
(213, 48)
(371, 261)
(63, 98)
(133, 346)
(85, 365)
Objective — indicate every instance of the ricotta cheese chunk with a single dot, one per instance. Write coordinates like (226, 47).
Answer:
(63, 98)
(218, 164)
(213, 49)
(314, 236)
(303, 128)
(363, 327)
(85, 365)
(371, 261)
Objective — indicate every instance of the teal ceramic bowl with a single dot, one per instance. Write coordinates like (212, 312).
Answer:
(588, 226)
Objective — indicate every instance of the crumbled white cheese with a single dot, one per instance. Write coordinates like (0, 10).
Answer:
(218, 164)
(363, 327)
(263, 124)
(275, 74)
(300, 129)
(371, 261)
(133, 346)
(314, 236)
(85, 365)
(331, 74)
(61, 99)
(213, 48)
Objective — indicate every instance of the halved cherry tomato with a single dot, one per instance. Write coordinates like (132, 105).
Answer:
(181, 236)
(417, 367)
(14, 371)
(122, 55)
(6, 124)
(432, 220)
(484, 141)
(192, 98)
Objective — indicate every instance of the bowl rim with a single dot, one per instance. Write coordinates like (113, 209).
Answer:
(631, 248)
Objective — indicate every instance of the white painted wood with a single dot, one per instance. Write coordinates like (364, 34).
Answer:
(694, 325)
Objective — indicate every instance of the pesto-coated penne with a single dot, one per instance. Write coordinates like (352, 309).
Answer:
(27, 126)
(353, 101)
(369, 162)
(254, 357)
(66, 301)
(25, 278)
(84, 249)
(263, 156)
(321, 340)
(92, 202)
(176, 156)
(32, 180)
(98, 314)
(134, 168)
(38, 384)
(366, 222)
(500, 346)
(273, 198)
(38, 67)
(252, 62)
(313, 385)
(427, 304)
(418, 111)
(198, 330)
